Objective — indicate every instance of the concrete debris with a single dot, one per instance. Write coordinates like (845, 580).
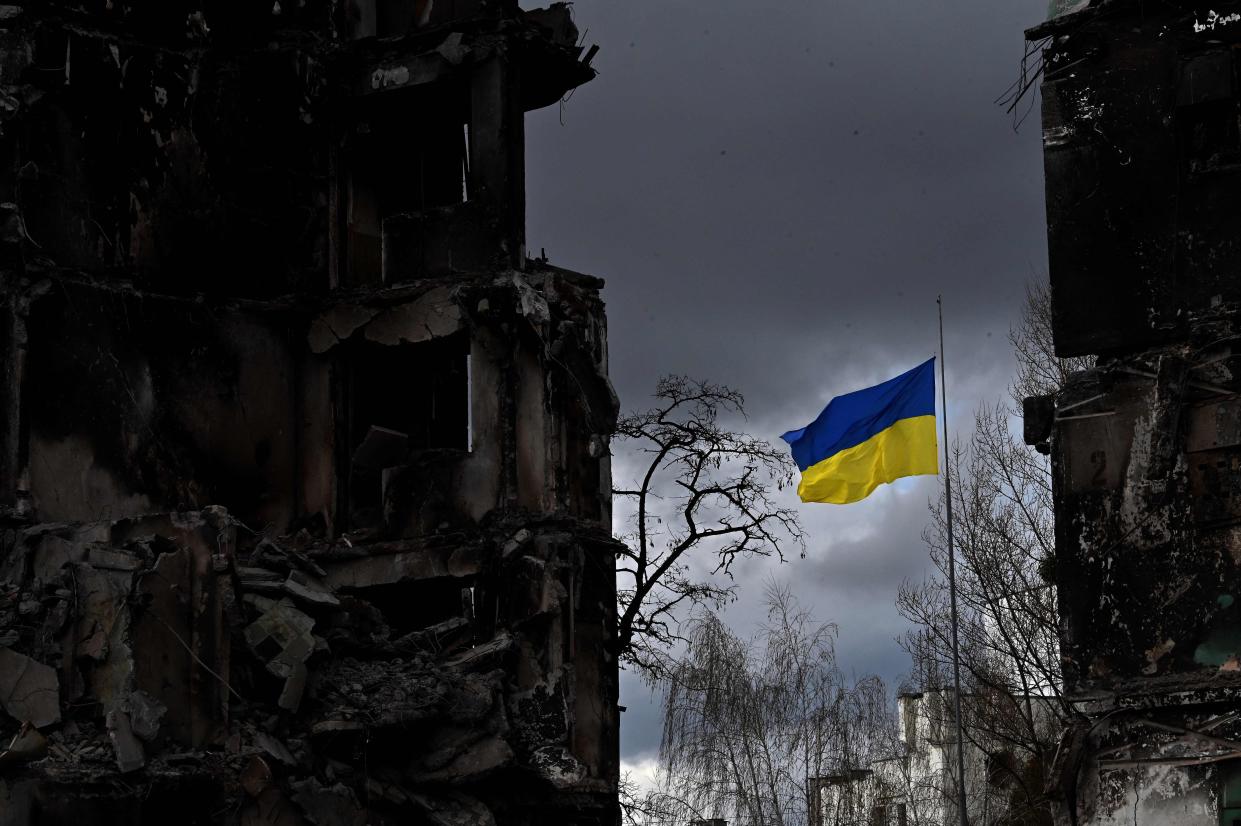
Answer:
(275, 748)
(29, 690)
(145, 714)
(462, 759)
(260, 579)
(27, 745)
(518, 541)
(395, 692)
(334, 805)
(281, 636)
(390, 568)
(441, 638)
(129, 753)
(488, 656)
(454, 809)
(303, 588)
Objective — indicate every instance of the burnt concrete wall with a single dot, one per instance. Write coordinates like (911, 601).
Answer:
(1142, 144)
(1142, 158)
(304, 483)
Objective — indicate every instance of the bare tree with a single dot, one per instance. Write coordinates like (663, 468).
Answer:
(1002, 507)
(749, 726)
(704, 492)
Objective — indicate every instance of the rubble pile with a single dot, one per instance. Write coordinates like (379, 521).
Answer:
(145, 654)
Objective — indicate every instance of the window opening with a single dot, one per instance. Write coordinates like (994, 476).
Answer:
(405, 399)
(400, 161)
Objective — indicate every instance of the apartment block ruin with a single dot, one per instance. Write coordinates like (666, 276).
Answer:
(304, 481)
(1142, 137)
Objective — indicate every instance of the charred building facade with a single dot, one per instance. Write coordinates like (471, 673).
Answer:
(304, 482)
(1142, 137)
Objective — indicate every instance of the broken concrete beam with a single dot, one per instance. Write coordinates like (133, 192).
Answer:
(29, 690)
(253, 574)
(486, 657)
(443, 637)
(129, 754)
(422, 563)
(337, 727)
(260, 579)
(302, 587)
(271, 555)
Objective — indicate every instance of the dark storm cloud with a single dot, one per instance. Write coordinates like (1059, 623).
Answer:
(775, 193)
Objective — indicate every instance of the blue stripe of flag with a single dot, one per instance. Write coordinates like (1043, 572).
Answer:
(851, 419)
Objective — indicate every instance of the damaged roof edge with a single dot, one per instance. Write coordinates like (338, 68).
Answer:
(1058, 23)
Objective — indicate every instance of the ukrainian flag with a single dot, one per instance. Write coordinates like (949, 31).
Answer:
(864, 439)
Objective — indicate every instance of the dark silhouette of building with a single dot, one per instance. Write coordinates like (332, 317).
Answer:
(304, 483)
(1142, 137)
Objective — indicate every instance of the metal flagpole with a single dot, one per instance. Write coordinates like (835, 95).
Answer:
(952, 575)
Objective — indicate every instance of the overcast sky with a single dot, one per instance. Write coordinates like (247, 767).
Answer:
(775, 192)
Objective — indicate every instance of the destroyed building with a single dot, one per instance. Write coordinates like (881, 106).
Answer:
(304, 475)
(1142, 147)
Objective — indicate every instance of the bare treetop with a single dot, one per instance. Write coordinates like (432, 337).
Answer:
(705, 493)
